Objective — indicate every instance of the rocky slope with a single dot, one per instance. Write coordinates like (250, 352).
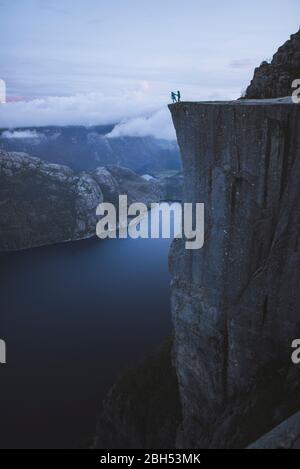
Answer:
(126, 181)
(142, 410)
(43, 203)
(284, 436)
(235, 303)
(273, 80)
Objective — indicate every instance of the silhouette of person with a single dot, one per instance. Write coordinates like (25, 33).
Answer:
(173, 96)
(178, 96)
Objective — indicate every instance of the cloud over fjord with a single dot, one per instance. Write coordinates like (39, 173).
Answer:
(135, 113)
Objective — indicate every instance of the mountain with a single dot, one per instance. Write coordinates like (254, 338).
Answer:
(44, 203)
(274, 80)
(235, 303)
(86, 148)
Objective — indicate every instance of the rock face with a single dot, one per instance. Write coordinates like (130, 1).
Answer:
(42, 203)
(273, 80)
(137, 188)
(285, 436)
(236, 302)
(172, 187)
(142, 410)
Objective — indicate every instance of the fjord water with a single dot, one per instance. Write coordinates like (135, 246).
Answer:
(74, 316)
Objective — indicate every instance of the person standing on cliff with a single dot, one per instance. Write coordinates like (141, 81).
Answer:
(173, 96)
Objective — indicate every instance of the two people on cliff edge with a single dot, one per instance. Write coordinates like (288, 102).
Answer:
(175, 97)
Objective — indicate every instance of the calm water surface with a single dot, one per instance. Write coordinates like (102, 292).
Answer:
(74, 316)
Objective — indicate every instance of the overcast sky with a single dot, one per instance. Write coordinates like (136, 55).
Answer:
(118, 59)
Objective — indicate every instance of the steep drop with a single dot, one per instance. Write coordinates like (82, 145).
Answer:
(235, 303)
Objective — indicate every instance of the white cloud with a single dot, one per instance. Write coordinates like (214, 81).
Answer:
(80, 109)
(92, 109)
(158, 125)
(21, 134)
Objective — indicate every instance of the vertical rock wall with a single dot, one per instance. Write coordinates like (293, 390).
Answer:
(236, 302)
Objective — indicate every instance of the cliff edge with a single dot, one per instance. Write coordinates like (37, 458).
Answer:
(235, 303)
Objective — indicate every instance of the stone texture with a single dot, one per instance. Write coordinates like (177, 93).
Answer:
(235, 303)
(43, 203)
(142, 410)
(285, 436)
(172, 187)
(137, 188)
(117, 180)
(273, 80)
(108, 184)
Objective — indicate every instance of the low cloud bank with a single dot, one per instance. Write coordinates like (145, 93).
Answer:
(158, 125)
(21, 134)
(128, 109)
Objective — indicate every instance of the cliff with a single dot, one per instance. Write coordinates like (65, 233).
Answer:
(235, 303)
(43, 203)
(273, 80)
(142, 409)
(284, 436)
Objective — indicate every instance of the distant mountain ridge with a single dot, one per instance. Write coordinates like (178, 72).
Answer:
(86, 148)
(44, 203)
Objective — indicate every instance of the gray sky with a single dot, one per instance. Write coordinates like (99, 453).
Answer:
(134, 52)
